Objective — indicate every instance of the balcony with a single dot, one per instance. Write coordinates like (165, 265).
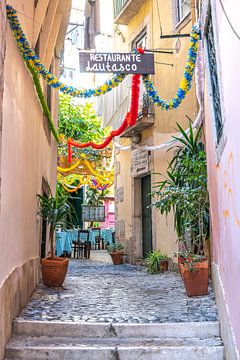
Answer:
(124, 10)
(145, 120)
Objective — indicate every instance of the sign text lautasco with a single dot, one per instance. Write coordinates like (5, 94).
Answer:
(120, 63)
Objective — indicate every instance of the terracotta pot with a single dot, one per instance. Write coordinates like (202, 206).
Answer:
(164, 265)
(54, 271)
(195, 281)
(117, 257)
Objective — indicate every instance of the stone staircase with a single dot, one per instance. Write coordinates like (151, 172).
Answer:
(35, 340)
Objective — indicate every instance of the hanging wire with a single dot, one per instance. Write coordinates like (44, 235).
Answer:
(228, 20)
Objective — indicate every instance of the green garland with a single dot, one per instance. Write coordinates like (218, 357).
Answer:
(42, 101)
(31, 57)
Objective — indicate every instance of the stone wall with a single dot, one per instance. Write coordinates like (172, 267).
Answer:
(14, 294)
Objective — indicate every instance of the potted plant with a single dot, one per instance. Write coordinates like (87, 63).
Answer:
(55, 210)
(116, 252)
(184, 191)
(156, 262)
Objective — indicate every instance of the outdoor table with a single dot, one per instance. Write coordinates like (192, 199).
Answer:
(65, 238)
(106, 234)
(63, 243)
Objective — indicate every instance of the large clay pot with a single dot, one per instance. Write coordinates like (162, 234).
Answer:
(195, 280)
(54, 271)
(117, 257)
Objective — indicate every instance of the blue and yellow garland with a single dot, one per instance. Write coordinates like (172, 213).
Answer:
(185, 83)
(31, 57)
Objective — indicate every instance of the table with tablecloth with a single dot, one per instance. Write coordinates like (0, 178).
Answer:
(65, 238)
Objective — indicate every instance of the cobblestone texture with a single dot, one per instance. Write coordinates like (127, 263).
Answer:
(100, 292)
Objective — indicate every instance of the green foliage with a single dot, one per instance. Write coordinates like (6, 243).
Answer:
(184, 191)
(115, 247)
(95, 197)
(56, 211)
(153, 261)
(78, 121)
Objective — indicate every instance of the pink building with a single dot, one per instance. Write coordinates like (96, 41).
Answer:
(109, 213)
(221, 35)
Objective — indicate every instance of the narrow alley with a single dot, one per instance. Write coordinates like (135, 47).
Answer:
(114, 310)
(119, 180)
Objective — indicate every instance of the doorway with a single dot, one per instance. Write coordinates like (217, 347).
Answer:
(146, 215)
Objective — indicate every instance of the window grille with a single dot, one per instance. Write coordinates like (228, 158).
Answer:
(212, 61)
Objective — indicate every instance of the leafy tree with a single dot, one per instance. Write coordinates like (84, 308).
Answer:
(78, 121)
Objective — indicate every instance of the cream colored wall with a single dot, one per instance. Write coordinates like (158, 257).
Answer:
(122, 179)
(166, 80)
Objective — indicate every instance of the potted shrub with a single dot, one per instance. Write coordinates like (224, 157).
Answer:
(55, 210)
(116, 252)
(184, 191)
(156, 262)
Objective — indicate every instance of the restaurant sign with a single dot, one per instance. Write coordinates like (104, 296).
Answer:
(120, 63)
(93, 213)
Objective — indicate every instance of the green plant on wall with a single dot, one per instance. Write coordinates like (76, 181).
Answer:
(184, 191)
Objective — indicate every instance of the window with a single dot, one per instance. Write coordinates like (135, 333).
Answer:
(140, 41)
(213, 73)
(183, 9)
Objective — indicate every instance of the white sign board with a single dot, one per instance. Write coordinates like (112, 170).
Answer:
(140, 162)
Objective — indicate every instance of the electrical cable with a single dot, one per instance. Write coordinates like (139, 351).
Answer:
(228, 20)
(159, 18)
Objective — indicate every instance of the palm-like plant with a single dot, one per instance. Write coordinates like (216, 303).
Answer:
(56, 211)
(184, 191)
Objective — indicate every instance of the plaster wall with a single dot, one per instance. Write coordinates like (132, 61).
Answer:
(28, 154)
(223, 169)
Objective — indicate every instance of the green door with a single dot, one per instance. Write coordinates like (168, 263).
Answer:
(76, 200)
(146, 214)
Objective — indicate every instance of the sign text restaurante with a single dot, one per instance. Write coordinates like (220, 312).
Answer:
(120, 63)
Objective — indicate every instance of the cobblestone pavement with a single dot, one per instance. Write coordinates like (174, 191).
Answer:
(100, 292)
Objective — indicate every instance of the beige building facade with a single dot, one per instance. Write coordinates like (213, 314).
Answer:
(141, 24)
(28, 152)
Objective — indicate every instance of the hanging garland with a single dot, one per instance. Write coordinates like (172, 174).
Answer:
(100, 188)
(83, 180)
(31, 57)
(130, 120)
(43, 102)
(185, 83)
(100, 176)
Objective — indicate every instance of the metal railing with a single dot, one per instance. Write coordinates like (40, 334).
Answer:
(118, 6)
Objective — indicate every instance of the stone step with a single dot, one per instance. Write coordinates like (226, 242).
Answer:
(106, 330)
(36, 348)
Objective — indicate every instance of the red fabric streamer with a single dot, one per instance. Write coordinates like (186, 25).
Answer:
(129, 120)
(134, 99)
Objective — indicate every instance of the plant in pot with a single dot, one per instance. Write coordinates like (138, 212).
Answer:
(56, 211)
(156, 262)
(184, 191)
(116, 252)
